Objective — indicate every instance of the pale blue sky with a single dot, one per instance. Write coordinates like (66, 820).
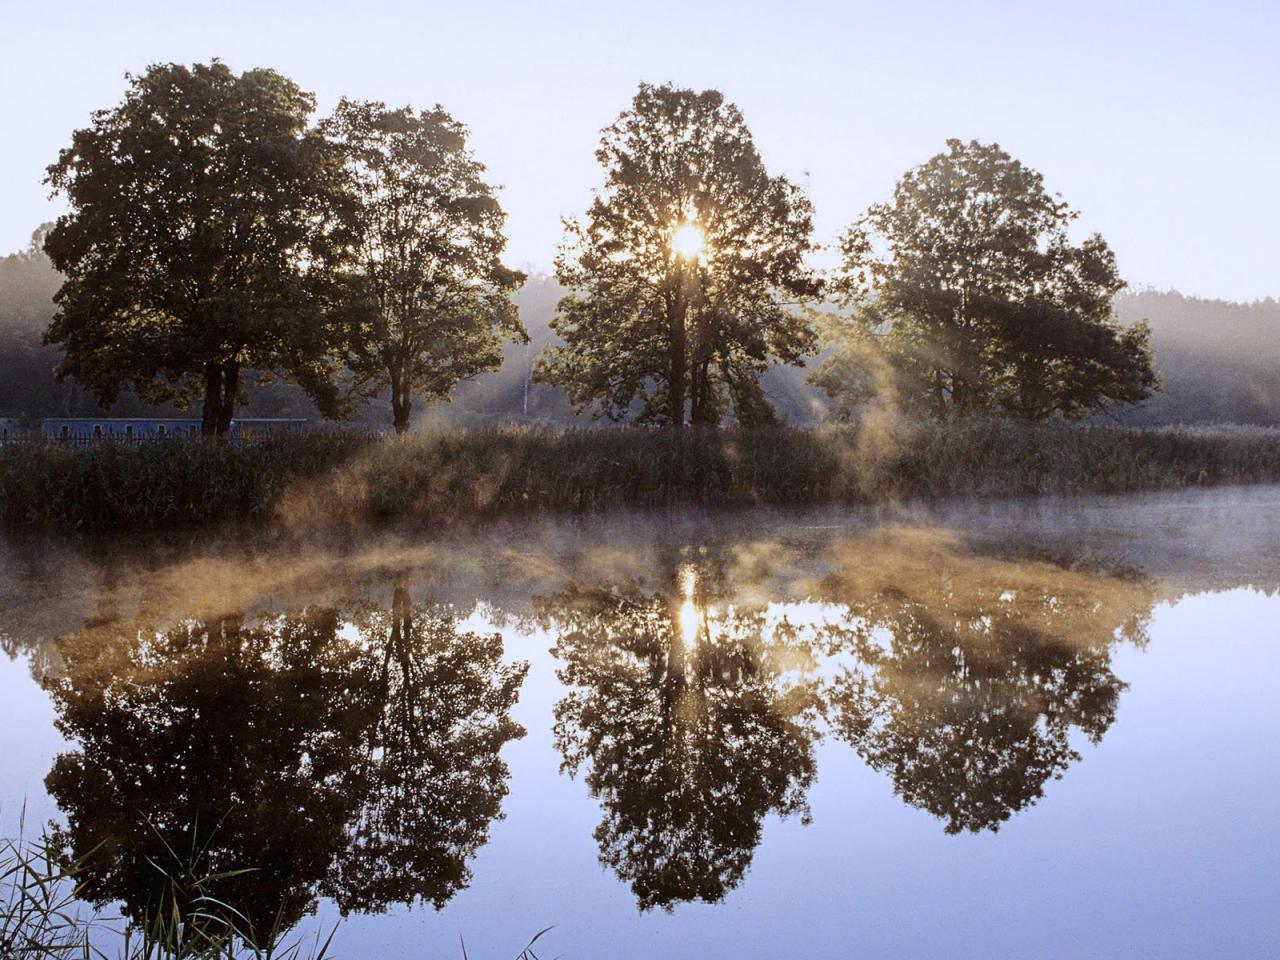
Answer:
(1159, 121)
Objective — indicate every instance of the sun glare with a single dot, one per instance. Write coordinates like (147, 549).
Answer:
(689, 616)
(687, 241)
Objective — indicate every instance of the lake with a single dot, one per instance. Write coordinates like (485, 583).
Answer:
(1041, 728)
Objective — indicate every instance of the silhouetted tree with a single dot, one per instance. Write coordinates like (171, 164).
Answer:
(433, 296)
(202, 226)
(969, 284)
(213, 748)
(691, 731)
(228, 771)
(680, 278)
(430, 771)
(968, 673)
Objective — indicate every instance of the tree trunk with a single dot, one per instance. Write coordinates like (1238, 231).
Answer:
(221, 385)
(212, 400)
(401, 619)
(401, 399)
(230, 389)
(677, 353)
(700, 414)
(400, 408)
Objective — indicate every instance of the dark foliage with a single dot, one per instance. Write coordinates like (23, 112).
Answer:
(204, 223)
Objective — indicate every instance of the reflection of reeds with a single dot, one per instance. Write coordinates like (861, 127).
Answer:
(42, 915)
(443, 476)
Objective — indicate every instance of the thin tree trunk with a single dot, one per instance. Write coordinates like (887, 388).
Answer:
(212, 400)
(230, 390)
(401, 399)
(677, 351)
(700, 415)
(400, 408)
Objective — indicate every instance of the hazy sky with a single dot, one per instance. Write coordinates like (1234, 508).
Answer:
(1160, 122)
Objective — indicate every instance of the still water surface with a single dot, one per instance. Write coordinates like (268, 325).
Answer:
(1034, 729)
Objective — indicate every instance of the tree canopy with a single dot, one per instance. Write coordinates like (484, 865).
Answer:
(968, 288)
(683, 275)
(253, 763)
(204, 222)
(691, 729)
(431, 302)
(966, 688)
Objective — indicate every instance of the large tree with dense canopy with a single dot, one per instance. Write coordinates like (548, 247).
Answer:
(685, 275)
(205, 220)
(968, 292)
(433, 298)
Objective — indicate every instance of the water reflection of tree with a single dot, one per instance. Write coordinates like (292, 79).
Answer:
(694, 725)
(964, 675)
(431, 772)
(284, 756)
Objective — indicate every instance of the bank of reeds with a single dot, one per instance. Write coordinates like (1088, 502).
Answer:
(42, 917)
(327, 477)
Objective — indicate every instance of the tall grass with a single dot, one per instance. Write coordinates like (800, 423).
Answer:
(449, 475)
(42, 916)
(158, 484)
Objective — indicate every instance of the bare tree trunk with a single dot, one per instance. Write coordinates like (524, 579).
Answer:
(700, 415)
(677, 353)
(400, 409)
(939, 398)
(221, 387)
(230, 390)
(401, 615)
(401, 399)
(212, 400)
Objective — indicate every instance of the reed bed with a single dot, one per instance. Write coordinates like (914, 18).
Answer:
(42, 917)
(447, 476)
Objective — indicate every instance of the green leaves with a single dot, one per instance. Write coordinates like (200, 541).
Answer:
(968, 287)
(204, 226)
(429, 298)
(647, 331)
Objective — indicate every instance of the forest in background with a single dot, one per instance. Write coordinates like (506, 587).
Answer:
(1219, 362)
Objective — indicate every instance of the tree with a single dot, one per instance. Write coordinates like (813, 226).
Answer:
(225, 771)
(681, 276)
(203, 228)
(965, 687)
(690, 726)
(435, 295)
(430, 770)
(968, 285)
(210, 766)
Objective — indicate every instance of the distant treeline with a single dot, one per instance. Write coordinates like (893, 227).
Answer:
(1219, 362)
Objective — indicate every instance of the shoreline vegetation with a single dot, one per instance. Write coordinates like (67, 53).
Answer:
(334, 479)
(43, 914)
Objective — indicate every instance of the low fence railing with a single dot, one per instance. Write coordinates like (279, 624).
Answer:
(243, 438)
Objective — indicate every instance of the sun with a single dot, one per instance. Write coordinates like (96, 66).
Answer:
(687, 241)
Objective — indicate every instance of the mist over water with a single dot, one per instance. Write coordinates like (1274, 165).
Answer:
(760, 732)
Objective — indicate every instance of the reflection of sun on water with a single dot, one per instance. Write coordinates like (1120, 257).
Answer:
(688, 615)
